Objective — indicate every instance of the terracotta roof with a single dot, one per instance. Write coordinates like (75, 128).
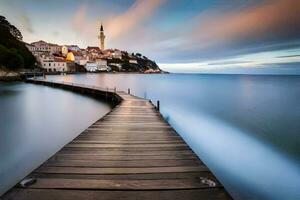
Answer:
(59, 59)
(41, 41)
(93, 48)
(108, 50)
(50, 44)
(76, 53)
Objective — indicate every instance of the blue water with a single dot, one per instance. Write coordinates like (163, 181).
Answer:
(35, 122)
(245, 128)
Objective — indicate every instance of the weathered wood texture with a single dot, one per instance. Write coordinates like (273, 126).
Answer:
(131, 153)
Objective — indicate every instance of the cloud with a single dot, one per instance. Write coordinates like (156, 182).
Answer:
(133, 18)
(17, 15)
(228, 31)
(269, 20)
(26, 23)
(118, 26)
(213, 33)
(83, 25)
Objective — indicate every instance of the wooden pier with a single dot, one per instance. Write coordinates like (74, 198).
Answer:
(131, 153)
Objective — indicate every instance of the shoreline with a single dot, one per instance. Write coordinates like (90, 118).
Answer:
(7, 76)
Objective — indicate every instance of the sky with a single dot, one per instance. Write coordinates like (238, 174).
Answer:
(204, 36)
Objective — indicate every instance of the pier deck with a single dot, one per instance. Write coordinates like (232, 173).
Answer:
(131, 153)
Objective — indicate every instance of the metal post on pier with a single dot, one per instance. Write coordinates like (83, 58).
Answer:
(158, 105)
(106, 94)
(128, 90)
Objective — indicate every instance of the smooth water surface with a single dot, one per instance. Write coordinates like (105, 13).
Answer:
(35, 122)
(245, 128)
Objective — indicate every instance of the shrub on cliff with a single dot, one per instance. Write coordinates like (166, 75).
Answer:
(13, 52)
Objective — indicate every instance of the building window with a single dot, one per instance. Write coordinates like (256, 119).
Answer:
(49, 64)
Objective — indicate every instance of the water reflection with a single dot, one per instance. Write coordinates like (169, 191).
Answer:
(35, 122)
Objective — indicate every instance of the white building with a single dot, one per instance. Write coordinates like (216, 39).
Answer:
(117, 54)
(102, 65)
(83, 61)
(133, 61)
(30, 47)
(41, 47)
(38, 48)
(91, 66)
(54, 48)
(53, 64)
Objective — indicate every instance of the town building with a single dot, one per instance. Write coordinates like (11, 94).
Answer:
(93, 49)
(67, 48)
(41, 47)
(53, 64)
(93, 52)
(91, 66)
(55, 49)
(74, 56)
(117, 54)
(102, 65)
(133, 61)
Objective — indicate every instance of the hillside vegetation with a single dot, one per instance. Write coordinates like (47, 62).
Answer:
(13, 52)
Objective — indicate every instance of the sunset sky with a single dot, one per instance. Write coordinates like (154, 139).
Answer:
(223, 36)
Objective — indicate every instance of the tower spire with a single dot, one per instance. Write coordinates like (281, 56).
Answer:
(101, 27)
(101, 37)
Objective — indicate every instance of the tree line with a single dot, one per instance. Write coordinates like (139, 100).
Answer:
(13, 52)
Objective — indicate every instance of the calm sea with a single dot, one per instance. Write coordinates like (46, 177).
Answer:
(245, 128)
(35, 122)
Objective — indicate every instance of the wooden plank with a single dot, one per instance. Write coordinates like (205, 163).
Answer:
(154, 184)
(120, 153)
(116, 170)
(122, 163)
(124, 141)
(50, 194)
(131, 134)
(96, 145)
(126, 148)
(186, 175)
(149, 128)
(122, 157)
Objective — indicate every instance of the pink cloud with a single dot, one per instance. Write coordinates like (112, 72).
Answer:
(126, 22)
(118, 26)
(272, 17)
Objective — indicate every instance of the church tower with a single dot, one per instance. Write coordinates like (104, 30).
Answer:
(101, 37)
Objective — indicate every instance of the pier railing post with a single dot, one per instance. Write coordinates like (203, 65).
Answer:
(158, 105)
(106, 94)
(128, 90)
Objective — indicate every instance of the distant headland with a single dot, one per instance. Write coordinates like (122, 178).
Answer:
(48, 58)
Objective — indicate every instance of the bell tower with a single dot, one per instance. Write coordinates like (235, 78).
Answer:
(101, 37)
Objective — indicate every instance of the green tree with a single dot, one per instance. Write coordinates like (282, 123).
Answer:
(14, 53)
